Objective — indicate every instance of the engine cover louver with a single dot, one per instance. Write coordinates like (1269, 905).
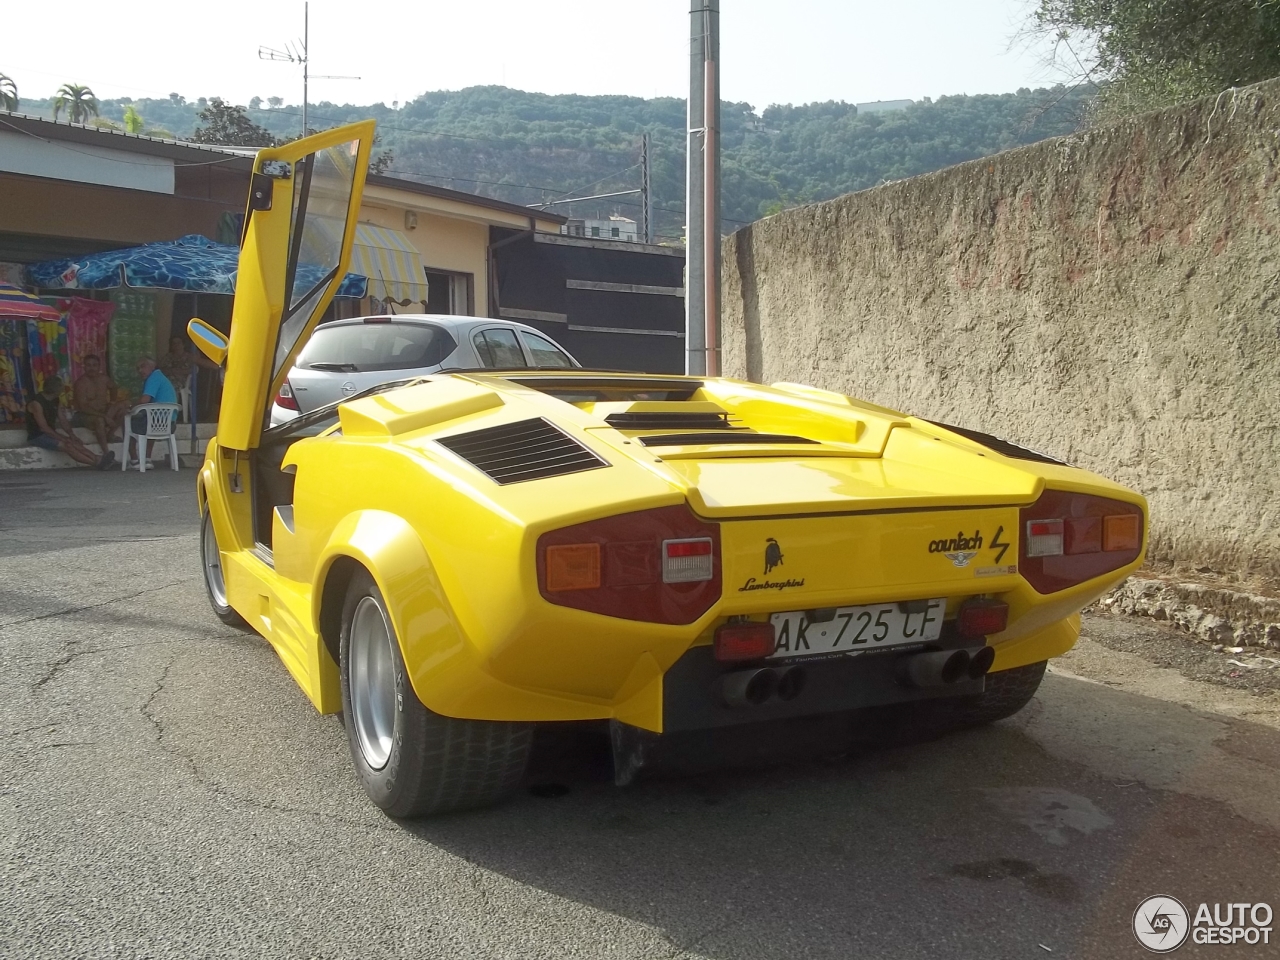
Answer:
(669, 420)
(709, 439)
(527, 450)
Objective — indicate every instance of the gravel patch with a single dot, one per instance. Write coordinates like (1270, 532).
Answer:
(1252, 669)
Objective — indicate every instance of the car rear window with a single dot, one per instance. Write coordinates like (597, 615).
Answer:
(379, 346)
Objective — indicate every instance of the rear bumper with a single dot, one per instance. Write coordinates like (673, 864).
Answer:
(693, 689)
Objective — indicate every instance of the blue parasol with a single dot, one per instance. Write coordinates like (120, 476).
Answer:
(193, 263)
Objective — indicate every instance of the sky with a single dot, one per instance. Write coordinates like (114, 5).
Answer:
(796, 51)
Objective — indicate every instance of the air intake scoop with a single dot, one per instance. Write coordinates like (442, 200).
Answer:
(526, 450)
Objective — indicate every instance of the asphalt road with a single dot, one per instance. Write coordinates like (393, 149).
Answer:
(166, 791)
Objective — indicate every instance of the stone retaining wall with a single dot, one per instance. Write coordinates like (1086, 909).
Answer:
(1112, 298)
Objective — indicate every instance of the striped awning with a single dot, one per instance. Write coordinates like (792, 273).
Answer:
(391, 263)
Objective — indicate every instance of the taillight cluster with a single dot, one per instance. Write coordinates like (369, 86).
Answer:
(285, 397)
(660, 566)
(1068, 538)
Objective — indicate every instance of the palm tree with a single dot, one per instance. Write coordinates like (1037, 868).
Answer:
(8, 93)
(133, 122)
(78, 100)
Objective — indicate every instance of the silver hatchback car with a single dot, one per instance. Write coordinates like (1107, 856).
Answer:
(344, 357)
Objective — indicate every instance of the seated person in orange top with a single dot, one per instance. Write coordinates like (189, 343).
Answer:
(94, 408)
(48, 427)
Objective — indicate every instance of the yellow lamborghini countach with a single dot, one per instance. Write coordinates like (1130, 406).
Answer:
(453, 559)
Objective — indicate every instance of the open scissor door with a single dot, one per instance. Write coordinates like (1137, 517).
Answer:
(299, 227)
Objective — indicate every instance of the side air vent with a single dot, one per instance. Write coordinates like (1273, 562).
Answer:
(664, 420)
(707, 439)
(1000, 446)
(527, 450)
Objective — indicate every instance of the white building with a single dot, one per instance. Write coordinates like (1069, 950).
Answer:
(615, 228)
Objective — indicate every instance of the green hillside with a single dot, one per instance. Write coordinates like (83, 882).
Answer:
(531, 147)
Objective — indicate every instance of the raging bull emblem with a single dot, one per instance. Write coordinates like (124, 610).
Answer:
(772, 555)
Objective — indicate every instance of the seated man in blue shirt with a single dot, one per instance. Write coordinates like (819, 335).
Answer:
(156, 388)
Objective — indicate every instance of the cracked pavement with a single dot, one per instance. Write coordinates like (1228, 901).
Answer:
(166, 791)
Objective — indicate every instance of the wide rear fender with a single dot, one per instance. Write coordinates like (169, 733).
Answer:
(447, 671)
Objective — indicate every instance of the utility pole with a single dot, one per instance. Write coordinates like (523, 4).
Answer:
(702, 192)
(646, 195)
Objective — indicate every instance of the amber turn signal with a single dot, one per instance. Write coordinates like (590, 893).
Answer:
(573, 567)
(1123, 532)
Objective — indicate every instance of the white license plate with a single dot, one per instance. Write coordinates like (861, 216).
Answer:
(857, 628)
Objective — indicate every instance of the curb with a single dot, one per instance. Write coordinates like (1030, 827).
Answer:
(1211, 614)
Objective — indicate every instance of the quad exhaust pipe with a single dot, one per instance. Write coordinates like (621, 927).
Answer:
(754, 688)
(940, 668)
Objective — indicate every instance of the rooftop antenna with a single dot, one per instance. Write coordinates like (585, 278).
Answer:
(297, 53)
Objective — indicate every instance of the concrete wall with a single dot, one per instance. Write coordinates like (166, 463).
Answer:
(1112, 298)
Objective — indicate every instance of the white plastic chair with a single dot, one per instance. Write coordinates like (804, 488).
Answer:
(184, 398)
(160, 421)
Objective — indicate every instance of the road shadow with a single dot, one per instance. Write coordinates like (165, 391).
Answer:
(875, 840)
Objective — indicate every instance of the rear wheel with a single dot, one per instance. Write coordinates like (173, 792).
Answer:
(1006, 693)
(413, 762)
(215, 584)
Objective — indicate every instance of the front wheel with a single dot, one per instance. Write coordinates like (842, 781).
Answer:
(413, 762)
(215, 584)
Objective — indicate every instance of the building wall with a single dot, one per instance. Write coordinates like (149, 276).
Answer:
(109, 215)
(1110, 298)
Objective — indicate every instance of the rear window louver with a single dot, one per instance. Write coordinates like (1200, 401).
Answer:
(669, 420)
(527, 450)
(708, 439)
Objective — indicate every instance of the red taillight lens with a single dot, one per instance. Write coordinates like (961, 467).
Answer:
(1073, 537)
(744, 641)
(1084, 535)
(981, 618)
(285, 397)
(660, 566)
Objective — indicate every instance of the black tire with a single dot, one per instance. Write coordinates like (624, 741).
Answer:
(214, 584)
(1006, 693)
(435, 764)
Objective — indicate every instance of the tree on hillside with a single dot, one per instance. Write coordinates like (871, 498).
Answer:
(226, 125)
(78, 100)
(8, 93)
(1158, 52)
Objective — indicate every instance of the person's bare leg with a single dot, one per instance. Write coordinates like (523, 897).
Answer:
(101, 433)
(115, 417)
(78, 452)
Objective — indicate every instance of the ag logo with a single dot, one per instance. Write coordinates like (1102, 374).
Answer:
(772, 555)
(1161, 924)
(961, 558)
(348, 388)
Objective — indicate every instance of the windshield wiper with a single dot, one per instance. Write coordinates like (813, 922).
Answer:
(340, 367)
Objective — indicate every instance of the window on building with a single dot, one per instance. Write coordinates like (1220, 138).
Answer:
(595, 231)
(450, 293)
(613, 232)
(499, 348)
